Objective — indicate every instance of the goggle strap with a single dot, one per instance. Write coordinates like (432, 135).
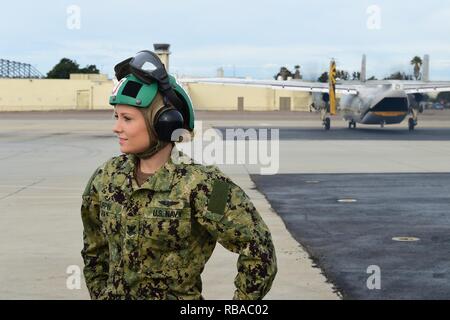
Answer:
(176, 102)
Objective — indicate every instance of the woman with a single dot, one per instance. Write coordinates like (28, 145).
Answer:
(151, 223)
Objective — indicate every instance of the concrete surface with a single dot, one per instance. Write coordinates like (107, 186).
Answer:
(47, 159)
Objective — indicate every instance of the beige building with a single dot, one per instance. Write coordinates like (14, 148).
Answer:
(82, 91)
(247, 98)
(91, 91)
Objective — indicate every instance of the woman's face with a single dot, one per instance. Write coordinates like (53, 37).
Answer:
(130, 129)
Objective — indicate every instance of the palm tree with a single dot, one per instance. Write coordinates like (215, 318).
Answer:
(417, 63)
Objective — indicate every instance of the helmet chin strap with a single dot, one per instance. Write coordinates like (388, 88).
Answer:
(154, 148)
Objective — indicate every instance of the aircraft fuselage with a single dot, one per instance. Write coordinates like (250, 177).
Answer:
(374, 104)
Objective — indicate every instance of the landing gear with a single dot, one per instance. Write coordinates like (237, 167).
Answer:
(382, 123)
(352, 124)
(411, 124)
(327, 123)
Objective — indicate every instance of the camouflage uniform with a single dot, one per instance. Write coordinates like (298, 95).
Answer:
(152, 241)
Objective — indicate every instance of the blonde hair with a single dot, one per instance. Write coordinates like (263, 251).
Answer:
(149, 115)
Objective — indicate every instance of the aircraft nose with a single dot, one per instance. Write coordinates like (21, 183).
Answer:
(391, 104)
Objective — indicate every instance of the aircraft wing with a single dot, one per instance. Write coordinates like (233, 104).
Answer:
(426, 87)
(276, 84)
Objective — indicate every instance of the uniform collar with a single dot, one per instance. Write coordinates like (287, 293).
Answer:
(161, 180)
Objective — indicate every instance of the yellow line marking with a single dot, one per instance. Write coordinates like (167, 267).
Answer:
(389, 113)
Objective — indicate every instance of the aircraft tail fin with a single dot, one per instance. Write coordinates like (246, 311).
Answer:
(332, 86)
(363, 69)
(426, 68)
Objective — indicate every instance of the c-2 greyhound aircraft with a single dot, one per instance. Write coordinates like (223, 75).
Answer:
(377, 102)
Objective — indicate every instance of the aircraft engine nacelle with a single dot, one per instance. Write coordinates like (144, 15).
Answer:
(319, 100)
(414, 100)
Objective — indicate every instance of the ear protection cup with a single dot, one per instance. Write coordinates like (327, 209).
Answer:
(167, 120)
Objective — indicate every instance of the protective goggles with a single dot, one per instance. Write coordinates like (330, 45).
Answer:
(146, 66)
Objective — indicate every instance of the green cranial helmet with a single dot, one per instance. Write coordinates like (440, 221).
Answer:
(132, 91)
(141, 73)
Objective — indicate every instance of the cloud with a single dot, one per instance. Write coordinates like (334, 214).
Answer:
(248, 38)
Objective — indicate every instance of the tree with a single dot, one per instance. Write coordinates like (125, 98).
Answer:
(399, 76)
(417, 63)
(356, 76)
(65, 67)
(323, 77)
(284, 73)
(342, 75)
(92, 68)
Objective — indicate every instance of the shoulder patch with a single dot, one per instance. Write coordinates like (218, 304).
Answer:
(218, 198)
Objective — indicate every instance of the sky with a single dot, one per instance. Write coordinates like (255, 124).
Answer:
(246, 38)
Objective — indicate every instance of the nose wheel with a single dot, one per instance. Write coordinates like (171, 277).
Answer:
(327, 123)
(352, 124)
(411, 124)
(412, 121)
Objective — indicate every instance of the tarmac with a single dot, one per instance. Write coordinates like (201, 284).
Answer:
(48, 157)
